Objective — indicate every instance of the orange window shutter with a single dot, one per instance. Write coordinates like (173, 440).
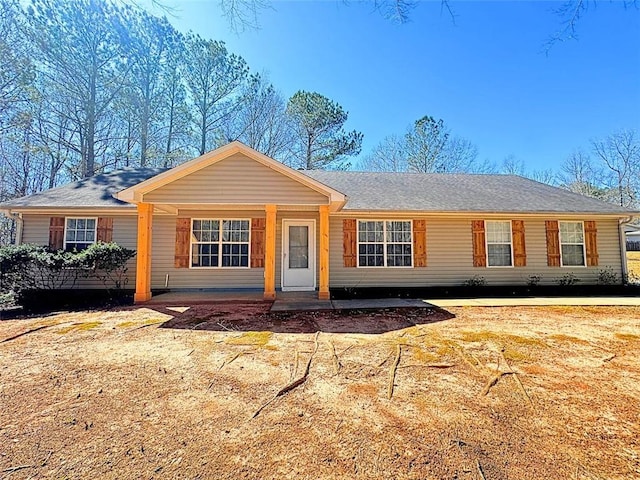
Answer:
(519, 247)
(56, 233)
(553, 243)
(419, 243)
(479, 245)
(591, 243)
(257, 242)
(104, 231)
(183, 244)
(349, 243)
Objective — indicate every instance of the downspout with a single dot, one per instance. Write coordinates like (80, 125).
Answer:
(623, 247)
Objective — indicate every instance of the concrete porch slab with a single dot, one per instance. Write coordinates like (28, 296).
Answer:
(379, 303)
(307, 301)
(203, 297)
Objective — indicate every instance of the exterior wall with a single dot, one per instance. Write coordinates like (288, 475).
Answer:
(163, 257)
(449, 254)
(163, 251)
(236, 180)
(36, 230)
(450, 257)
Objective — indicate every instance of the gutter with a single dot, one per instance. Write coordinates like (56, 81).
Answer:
(623, 247)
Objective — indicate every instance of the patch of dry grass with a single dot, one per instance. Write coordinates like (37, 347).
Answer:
(258, 339)
(79, 327)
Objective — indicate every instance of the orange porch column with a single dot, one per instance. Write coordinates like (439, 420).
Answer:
(143, 254)
(270, 253)
(323, 290)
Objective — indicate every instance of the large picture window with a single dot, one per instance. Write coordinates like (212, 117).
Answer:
(220, 243)
(79, 233)
(384, 243)
(499, 248)
(572, 244)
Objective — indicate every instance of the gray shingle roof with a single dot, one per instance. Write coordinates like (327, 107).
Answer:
(365, 191)
(456, 193)
(96, 191)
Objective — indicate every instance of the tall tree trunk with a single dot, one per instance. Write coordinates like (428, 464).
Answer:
(203, 134)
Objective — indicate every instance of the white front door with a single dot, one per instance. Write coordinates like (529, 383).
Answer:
(298, 255)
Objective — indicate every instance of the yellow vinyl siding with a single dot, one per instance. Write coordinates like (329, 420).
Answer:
(236, 180)
(450, 258)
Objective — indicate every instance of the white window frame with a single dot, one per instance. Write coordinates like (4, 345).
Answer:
(584, 244)
(95, 230)
(486, 242)
(384, 242)
(219, 243)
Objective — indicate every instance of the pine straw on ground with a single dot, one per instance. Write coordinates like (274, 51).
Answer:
(495, 393)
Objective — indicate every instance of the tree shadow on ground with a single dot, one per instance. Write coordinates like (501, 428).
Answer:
(256, 317)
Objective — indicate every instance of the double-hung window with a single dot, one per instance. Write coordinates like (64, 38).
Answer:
(79, 233)
(384, 243)
(499, 248)
(572, 244)
(220, 243)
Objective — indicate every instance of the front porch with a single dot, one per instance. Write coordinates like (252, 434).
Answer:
(271, 251)
(283, 302)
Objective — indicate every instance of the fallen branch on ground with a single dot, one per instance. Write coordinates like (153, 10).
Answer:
(336, 361)
(609, 358)
(480, 470)
(429, 365)
(233, 358)
(383, 361)
(493, 381)
(287, 388)
(515, 375)
(145, 326)
(466, 360)
(392, 372)
(16, 468)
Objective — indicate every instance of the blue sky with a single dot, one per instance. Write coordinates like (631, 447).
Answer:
(486, 76)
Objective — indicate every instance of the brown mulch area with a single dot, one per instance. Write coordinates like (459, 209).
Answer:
(504, 393)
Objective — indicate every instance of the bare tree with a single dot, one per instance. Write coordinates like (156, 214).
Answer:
(620, 154)
(579, 174)
(262, 121)
(459, 155)
(390, 155)
(546, 175)
(570, 12)
(511, 165)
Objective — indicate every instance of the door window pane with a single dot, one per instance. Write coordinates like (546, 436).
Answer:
(298, 246)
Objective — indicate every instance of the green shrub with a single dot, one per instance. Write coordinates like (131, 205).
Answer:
(475, 281)
(533, 280)
(106, 262)
(34, 267)
(607, 276)
(567, 280)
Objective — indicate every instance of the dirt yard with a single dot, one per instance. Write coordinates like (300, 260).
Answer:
(468, 393)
